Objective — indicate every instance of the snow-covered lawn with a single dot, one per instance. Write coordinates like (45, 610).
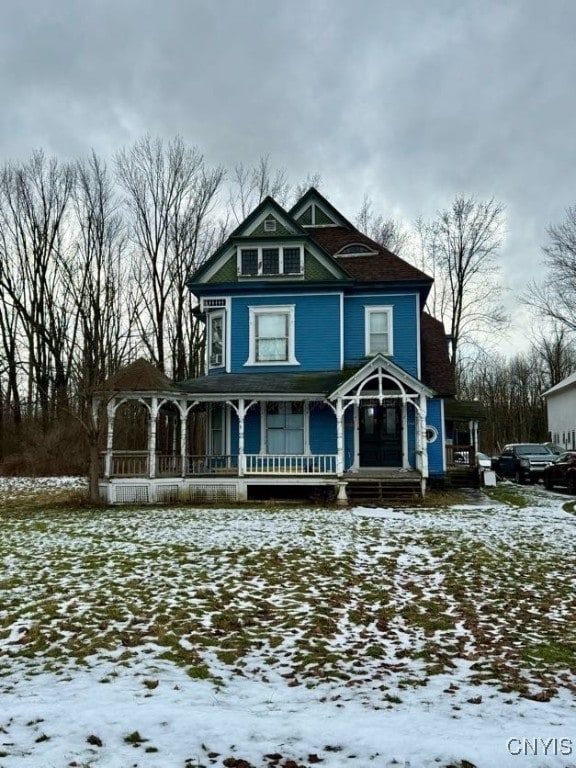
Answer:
(178, 638)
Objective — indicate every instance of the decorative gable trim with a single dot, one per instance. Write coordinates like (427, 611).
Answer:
(386, 365)
(269, 213)
(313, 198)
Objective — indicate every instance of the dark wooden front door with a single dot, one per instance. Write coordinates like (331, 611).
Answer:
(381, 435)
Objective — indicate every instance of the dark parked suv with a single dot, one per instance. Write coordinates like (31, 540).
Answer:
(562, 471)
(523, 462)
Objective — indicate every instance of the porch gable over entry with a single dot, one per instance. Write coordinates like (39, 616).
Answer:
(381, 393)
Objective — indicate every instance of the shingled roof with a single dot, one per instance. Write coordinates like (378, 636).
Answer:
(261, 384)
(437, 370)
(383, 265)
(139, 376)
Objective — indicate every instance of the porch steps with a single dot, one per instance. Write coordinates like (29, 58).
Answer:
(379, 490)
(462, 477)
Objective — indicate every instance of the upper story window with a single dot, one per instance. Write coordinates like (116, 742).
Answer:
(269, 261)
(378, 330)
(271, 336)
(216, 340)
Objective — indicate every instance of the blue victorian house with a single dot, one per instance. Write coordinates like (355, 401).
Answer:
(322, 368)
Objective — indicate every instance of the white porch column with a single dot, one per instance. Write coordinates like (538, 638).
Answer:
(152, 438)
(109, 439)
(241, 415)
(405, 462)
(183, 424)
(421, 431)
(473, 429)
(339, 437)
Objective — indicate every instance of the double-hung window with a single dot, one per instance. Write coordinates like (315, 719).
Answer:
(378, 330)
(285, 428)
(271, 336)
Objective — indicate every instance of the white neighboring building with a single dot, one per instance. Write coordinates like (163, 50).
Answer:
(561, 408)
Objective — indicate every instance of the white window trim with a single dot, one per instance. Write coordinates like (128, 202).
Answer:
(212, 316)
(373, 309)
(286, 309)
(259, 248)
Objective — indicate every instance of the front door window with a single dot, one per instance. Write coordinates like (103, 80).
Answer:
(381, 434)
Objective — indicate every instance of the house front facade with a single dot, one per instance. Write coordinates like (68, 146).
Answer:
(321, 364)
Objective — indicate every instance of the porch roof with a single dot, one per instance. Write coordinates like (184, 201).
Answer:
(319, 384)
(465, 410)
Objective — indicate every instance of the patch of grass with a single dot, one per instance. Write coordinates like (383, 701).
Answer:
(135, 739)
(350, 603)
(507, 493)
(557, 654)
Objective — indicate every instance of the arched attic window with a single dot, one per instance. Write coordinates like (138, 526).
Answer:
(356, 249)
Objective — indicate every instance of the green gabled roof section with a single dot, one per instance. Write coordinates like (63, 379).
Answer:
(228, 272)
(268, 208)
(325, 213)
(221, 267)
(315, 271)
(279, 228)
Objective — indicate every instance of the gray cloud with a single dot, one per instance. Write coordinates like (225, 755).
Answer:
(412, 103)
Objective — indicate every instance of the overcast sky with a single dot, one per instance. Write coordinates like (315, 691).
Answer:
(411, 103)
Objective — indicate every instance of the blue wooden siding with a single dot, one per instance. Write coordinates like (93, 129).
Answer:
(405, 313)
(435, 449)
(317, 332)
(251, 431)
(322, 429)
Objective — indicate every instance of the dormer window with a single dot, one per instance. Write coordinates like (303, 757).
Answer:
(263, 261)
(270, 261)
(356, 249)
(249, 261)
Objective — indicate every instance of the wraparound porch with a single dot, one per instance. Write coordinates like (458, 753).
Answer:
(245, 430)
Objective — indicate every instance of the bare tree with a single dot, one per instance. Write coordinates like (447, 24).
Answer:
(511, 392)
(389, 233)
(555, 349)
(311, 180)
(461, 247)
(250, 185)
(168, 194)
(96, 275)
(34, 199)
(555, 296)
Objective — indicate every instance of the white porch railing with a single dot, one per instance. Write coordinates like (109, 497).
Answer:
(130, 464)
(322, 464)
(136, 464)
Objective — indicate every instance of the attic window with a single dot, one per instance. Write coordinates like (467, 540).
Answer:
(269, 225)
(278, 261)
(356, 249)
